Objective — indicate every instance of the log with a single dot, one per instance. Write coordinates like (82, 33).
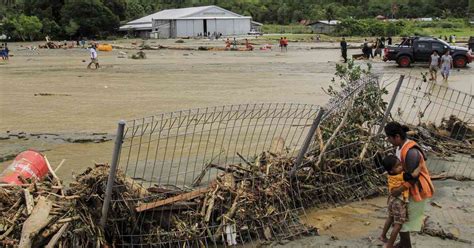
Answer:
(183, 197)
(30, 203)
(57, 236)
(38, 219)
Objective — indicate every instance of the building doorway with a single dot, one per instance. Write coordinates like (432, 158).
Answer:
(204, 26)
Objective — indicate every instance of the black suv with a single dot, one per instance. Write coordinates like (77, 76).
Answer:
(419, 49)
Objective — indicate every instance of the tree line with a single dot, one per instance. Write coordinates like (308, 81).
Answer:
(35, 19)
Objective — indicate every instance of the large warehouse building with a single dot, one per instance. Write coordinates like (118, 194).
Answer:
(190, 22)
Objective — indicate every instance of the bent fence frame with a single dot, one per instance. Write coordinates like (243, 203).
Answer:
(172, 149)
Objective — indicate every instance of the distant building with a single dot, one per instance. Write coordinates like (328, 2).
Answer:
(190, 22)
(324, 27)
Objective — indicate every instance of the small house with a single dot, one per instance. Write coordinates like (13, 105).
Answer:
(324, 27)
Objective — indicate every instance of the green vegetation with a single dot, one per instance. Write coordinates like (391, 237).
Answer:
(101, 18)
(372, 27)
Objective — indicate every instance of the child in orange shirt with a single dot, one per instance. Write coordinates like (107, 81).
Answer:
(397, 206)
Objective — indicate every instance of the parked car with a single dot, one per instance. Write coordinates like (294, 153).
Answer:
(419, 49)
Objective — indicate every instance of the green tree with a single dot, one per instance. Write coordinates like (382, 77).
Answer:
(92, 16)
(330, 12)
(71, 28)
(50, 27)
(27, 27)
(134, 10)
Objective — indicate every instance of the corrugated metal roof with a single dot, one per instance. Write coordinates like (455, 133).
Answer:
(175, 14)
(172, 14)
(141, 26)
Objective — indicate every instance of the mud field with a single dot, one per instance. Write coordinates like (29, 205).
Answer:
(49, 101)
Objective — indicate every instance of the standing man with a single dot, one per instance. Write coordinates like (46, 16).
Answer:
(94, 57)
(282, 44)
(434, 65)
(285, 44)
(446, 65)
(344, 49)
(234, 44)
(389, 40)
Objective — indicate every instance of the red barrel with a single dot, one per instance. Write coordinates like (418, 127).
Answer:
(28, 164)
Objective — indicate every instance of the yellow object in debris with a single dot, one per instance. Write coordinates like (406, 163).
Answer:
(104, 47)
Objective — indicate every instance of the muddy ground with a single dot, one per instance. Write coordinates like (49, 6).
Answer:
(51, 93)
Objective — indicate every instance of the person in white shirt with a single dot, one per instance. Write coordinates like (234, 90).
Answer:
(94, 57)
(446, 65)
(434, 65)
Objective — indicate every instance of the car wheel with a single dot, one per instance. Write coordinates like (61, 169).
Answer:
(404, 61)
(460, 62)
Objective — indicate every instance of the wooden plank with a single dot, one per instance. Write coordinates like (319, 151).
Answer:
(30, 202)
(183, 197)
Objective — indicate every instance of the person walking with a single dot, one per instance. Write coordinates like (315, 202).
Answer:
(94, 57)
(344, 49)
(434, 65)
(446, 65)
(412, 158)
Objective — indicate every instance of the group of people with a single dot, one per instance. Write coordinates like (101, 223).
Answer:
(214, 35)
(451, 39)
(409, 184)
(443, 63)
(368, 50)
(374, 49)
(283, 44)
(4, 51)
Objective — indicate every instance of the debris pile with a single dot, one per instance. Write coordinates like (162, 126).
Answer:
(45, 214)
(139, 55)
(452, 136)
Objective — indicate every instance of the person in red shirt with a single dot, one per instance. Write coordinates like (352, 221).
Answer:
(285, 44)
(282, 44)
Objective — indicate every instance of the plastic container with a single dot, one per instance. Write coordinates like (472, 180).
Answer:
(28, 164)
(104, 48)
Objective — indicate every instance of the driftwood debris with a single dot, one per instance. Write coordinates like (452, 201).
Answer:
(178, 198)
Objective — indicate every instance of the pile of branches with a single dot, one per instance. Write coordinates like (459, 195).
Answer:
(451, 136)
(247, 201)
(45, 214)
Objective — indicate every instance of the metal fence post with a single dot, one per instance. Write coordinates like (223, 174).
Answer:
(307, 142)
(390, 105)
(113, 171)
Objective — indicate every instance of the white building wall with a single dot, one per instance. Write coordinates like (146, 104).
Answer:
(226, 27)
(198, 27)
(191, 28)
(241, 26)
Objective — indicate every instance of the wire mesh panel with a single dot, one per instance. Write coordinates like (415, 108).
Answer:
(174, 148)
(442, 120)
(192, 154)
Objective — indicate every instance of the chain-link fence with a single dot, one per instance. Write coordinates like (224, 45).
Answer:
(442, 120)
